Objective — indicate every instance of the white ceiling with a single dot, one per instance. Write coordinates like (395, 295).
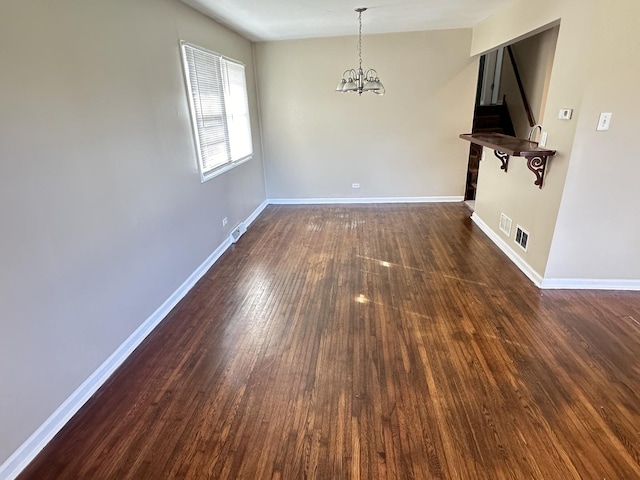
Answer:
(261, 20)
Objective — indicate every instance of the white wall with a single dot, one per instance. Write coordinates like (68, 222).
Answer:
(102, 212)
(405, 144)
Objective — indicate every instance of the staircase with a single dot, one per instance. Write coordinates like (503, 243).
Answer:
(486, 119)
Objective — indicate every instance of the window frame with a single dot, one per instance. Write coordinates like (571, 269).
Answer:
(223, 61)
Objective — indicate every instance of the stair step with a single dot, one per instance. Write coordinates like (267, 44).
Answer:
(489, 130)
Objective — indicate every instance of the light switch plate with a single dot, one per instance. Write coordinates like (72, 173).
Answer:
(604, 121)
(565, 114)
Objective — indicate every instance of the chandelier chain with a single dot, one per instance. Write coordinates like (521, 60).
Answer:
(360, 39)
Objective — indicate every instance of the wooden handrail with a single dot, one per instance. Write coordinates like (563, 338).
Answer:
(527, 108)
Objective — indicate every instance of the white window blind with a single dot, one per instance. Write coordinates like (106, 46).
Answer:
(219, 110)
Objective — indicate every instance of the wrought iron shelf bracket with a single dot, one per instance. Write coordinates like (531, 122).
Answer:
(537, 165)
(504, 158)
(505, 147)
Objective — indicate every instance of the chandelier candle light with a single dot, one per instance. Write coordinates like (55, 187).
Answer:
(360, 80)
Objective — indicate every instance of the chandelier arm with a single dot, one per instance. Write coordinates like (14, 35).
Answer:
(352, 72)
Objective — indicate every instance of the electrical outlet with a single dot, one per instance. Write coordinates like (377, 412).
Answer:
(225, 220)
(355, 185)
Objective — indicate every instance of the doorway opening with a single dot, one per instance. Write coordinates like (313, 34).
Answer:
(512, 89)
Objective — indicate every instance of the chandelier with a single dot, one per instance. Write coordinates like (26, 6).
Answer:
(360, 80)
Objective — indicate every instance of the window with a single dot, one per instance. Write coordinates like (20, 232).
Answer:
(217, 91)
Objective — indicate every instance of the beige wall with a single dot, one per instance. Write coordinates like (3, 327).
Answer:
(318, 142)
(584, 229)
(534, 57)
(536, 210)
(102, 211)
(599, 224)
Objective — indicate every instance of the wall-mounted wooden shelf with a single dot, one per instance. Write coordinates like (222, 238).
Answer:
(506, 146)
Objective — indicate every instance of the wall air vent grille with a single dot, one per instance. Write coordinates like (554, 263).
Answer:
(237, 232)
(522, 237)
(505, 224)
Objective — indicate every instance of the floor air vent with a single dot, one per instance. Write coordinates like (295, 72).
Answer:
(522, 237)
(237, 232)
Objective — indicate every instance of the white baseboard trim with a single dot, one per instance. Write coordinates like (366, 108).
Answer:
(589, 284)
(343, 200)
(554, 283)
(256, 212)
(534, 276)
(19, 460)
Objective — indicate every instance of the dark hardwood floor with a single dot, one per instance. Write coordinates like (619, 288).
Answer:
(369, 342)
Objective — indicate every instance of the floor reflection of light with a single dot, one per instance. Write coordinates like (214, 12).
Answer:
(385, 264)
(361, 299)
(255, 291)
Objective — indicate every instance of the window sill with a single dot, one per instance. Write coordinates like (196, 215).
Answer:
(223, 168)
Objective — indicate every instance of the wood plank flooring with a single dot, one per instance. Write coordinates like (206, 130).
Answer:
(369, 342)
